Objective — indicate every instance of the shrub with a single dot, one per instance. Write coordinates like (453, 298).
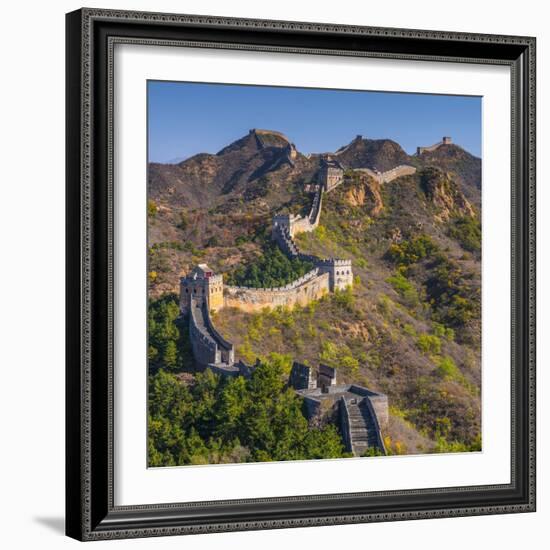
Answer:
(467, 231)
(273, 269)
(443, 332)
(344, 298)
(212, 242)
(320, 233)
(384, 305)
(409, 252)
(152, 208)
(158, 260)
(429, 343)
(338, 356)
(182, 223)
(455, 302)
(448, 370)
(405, 288)
(217, 420)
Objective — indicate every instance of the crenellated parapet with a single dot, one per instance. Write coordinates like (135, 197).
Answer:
(389, 175)
(205, 349)
(202, 285)
(362, 413)
(310, 275)
(331, 173)
(340, 272)
(311, 286)
(445, 140)
(295, 224)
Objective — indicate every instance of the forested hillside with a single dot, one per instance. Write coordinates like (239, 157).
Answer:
(409, 327)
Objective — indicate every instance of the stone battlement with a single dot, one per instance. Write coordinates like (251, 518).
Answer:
(209, 347)
(263, 132)
(334, 262)
(362, 413)
(445, 140)
(331, 173)
(294, 284)
(389, 175)
(312, 286)
(296, 224)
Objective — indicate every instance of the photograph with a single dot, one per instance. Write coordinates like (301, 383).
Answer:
(313, 273)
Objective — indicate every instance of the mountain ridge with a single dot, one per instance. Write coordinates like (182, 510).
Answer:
(409, 326)
(261, 152)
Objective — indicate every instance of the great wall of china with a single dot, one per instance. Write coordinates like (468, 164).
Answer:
(445, 140)
(389, 175)
(362, 414)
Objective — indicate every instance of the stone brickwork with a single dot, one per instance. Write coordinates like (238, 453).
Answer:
(340, 272)
(445, 140)
(294, 224)
(389, 175)
(362, 414)
(326, 377)
(311, 286)
(209, 347)
(202, 285)
(302, 377)
(331, 173)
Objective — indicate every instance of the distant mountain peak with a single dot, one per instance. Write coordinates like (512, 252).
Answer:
(377, 154)
(258, 139)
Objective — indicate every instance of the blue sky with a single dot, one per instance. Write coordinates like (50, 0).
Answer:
(189, 118)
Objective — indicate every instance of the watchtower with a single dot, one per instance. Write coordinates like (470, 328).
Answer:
(326, 378)
(301, 377)
(204, 286)
(340, 272)
(331, 173)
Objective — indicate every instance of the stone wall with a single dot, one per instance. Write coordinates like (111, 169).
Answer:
(205, 350)
(209, 346)
(311, 286)
(446, 140)
(345, 423)
(379, 402)
(397, 172)
(301, 377)
(389, 175)
(209, 290)
(300, 224)
(340, 272)
(259, 132)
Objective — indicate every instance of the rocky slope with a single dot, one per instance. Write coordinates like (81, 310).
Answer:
(409, 328)
(215, 206)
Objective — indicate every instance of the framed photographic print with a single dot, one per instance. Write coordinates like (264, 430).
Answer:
(300, 274)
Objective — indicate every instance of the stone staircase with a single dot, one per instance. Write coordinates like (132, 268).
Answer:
(362, 427)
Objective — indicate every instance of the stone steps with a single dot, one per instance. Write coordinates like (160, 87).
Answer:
(362, 427)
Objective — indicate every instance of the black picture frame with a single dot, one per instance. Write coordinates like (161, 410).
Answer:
(90, 510)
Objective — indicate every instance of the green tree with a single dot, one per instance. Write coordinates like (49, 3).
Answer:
(272, 269)
(219, 419)
(169, 347)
